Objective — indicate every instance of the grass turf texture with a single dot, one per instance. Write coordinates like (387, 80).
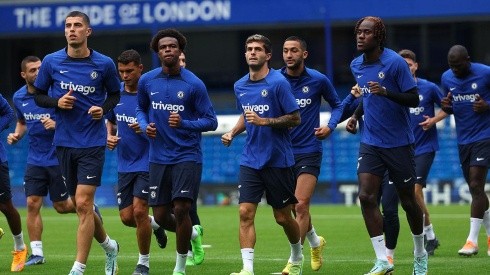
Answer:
(348, 249)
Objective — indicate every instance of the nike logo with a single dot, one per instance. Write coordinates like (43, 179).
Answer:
(359, 76)
(480, 159)
(90, 177)
(63, 194)
(2, 193)
(144, 191)
(284, 201)
(390, 182)
(154, 93)
(242, 94)
(359, 158)
(184, 191)
(452, 88)
(119, 104)
(303, 167)
(24, 104)
(62, 72)
(407, 180)
(419, 178)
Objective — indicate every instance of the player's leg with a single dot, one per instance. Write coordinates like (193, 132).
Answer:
(391, 221)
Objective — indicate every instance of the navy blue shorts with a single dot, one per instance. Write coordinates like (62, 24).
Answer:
(39, 180)
(277, 183)
(171, 181)
(423, 163)
(130, 185)
(398, 161)
(81, 166)
(474, 154)
(5, 191)
(307, 163)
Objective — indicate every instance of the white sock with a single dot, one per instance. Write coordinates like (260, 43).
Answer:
(108, 245)
(190, 254)
(144, 260)
(248, 259)
(429, 232)
(390, 252)
(486, 221)
(78, 267)
(296, 252)
(180, 262)
(37, 248)
(154, 224)
(312, 237)
(19, 242)
(475, 225)
(379, 247)
(418, 244)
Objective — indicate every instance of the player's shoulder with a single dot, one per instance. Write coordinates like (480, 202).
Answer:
(20, 93)
(191, 78)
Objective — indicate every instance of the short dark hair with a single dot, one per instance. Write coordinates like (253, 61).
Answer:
(301, 41)
(129, 56)
(408, 54)
(260, 38)
(168, 33)
(28, 59)
(79, 14)
(379, 28)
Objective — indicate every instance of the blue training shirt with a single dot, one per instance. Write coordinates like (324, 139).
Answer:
(309, 89)
(269, 97)
(6, 116)
(429, 95)
(91, 79)
(386, 123)
(132, 148)
(158, 95)
(41, 150)
(470, 126)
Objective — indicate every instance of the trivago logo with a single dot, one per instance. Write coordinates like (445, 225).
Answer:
(462, 97)
(31, 116)
(125, 118)
(167, 107)
(260, 109)
(85, 90)
(303, 102)
(417, 110)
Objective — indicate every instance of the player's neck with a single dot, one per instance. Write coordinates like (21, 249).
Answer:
(173, 70)
(372, 55)
(256, 75)
(132, 89)
(297, 71)
(31, 89)
(78, 52)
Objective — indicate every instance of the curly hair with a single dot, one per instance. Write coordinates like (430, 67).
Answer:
(379, 28)
(168, 33)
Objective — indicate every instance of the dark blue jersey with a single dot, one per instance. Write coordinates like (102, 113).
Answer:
(41, 151)
(132, 148)
(159, 94)
(6, 117)
(386, 123)
(470, 126)
(269, 97)
(429, 95)
(91, 79)
(309, 89)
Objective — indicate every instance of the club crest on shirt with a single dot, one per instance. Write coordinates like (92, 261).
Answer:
(264, 93)
(93, 75)
(305, 89)
(381, 75)
(180, 94)
(474, 86)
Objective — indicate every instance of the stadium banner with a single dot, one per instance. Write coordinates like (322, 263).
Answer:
(38, 17)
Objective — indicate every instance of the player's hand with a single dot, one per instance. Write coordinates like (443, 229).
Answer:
(351, 126)
(252, 118)
(151, 130)
(356, 91)
(112, 142)
(376, 88)
(48, 123)
(322, 133)
(174, 120)
(66, 101)
(136, 127)
(446, 102)
(427, 123)
(480, 105)
(226, 139)
(96, 112)
(13, 138)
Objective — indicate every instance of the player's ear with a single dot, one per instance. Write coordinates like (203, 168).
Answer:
(89, 31)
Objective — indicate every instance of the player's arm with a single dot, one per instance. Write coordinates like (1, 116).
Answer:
(111, 101)
(409, 98)
(239, 128)
(286, 121)
(19, 132)
(112, 139)
(6, 113)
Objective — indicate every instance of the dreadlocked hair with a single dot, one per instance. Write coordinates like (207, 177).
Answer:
(379, 28)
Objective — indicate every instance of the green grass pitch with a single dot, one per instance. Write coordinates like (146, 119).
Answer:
(348, 250)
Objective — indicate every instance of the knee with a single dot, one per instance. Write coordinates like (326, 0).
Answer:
(368, 200)
(140, 213)
(246, 215)
(302, 207)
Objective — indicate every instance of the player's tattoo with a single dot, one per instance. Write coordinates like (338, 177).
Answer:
(285, 121)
